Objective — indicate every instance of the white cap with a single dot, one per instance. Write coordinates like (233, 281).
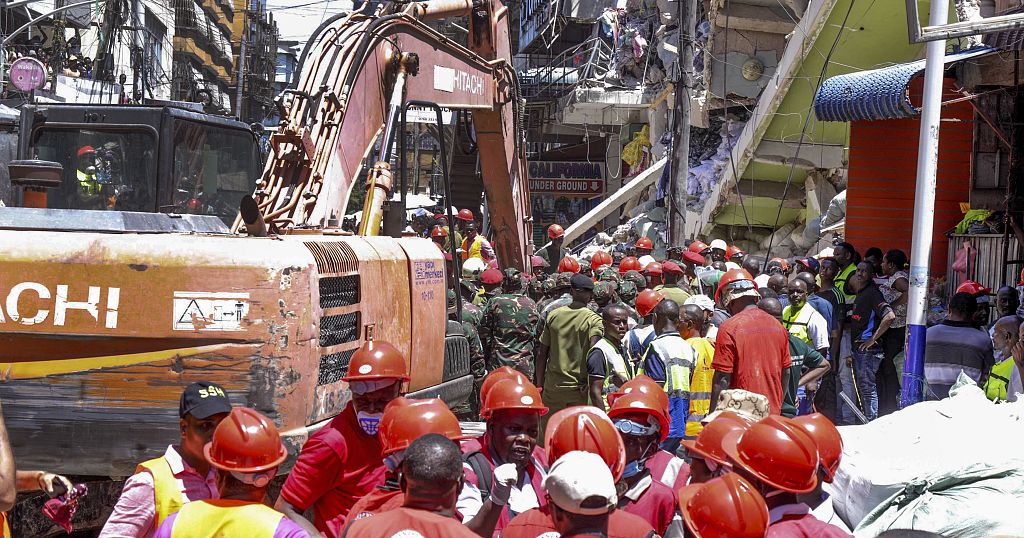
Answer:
(581, 483)
(703, 301)
(719, 244)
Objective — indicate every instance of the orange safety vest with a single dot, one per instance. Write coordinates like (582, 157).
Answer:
(223, 518)
(167, 497)
(474, 250)
(5, 527)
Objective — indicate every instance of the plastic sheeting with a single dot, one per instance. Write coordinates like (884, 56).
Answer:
(702, 178)
(952, 467)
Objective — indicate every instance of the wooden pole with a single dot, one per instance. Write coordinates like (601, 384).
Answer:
(680, 158)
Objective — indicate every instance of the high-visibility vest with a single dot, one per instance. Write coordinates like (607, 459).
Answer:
(700, 385)
(840, 281)
(474, 249)
(167, 498)
(614, 362)
(87, 183)
(796, 322)
(220, 518)
(5, 526)
(998, 380)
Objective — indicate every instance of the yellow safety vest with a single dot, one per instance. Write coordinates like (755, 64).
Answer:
(167, 496)
(5, 528)
(796, 323)
(474, 250)
(614, 362)
(87, 183)
(220, 518)
(840, 281)
(700, 385)
(998, 380)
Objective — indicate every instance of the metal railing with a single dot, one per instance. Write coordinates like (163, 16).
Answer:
(584, 64)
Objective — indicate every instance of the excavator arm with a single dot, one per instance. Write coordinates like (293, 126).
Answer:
(356, 72)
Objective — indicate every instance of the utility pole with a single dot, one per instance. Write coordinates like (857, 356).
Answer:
(924, 210)
(241, 60)
(103, 64)
(680, 161)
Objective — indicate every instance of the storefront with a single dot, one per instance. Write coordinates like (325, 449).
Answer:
(561, 192)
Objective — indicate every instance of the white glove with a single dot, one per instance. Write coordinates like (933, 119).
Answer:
(505, 476)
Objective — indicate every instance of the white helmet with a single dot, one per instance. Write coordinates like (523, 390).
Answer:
(472, 268)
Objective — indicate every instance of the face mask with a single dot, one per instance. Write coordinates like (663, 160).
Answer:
(634, 468)
(369, 422)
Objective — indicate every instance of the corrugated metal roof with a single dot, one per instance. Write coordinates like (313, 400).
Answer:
(878, 94)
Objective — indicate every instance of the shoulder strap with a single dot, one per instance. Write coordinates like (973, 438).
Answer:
(167, 498)
(482, 469)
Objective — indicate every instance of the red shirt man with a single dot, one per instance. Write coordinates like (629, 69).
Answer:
(753, 349)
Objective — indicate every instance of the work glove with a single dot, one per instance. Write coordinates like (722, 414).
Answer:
(505, 476)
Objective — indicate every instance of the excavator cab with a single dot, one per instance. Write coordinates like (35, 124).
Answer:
(145, 159)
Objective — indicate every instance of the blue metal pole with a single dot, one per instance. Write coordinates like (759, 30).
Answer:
(924, 210)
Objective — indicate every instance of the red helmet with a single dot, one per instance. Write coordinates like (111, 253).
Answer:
(568, 265)
(438, 232)
(538, 261)
(724, 507)
(589, 429)
(643, 384)
(698, 247)
(827, 439)
(733, 276)
(512, 394)
(245, 442)
(974, 288)
(555, 231)
(629, 263)
(491, 277)
(599, 260)
(654, 268)
(406, 420)
(645, 243)
(85, 149)
(377, 360)
(647, 300)
(782, 263)
(500, 373)
(641, 402)
(777, 452)
(708, 443)
(671, 267)
(733, 251)
(466, 215)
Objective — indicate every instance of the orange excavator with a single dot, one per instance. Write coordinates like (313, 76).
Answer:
(107, 311)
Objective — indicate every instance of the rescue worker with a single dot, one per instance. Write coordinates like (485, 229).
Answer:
(555, 249)
(803, 321)
(513, 281)
(538, 266)
(707, 457)
(582, 496)
(644, 247)
(471, 313)
(664, 466)
(161, 486)
(1004, 381)
(780, 459)
(491, 280)
(607, 369)
(431, 480)
(585, 269)
(477, 359)
(627, 296)
(694, 284)
(464, 217)
(670, 360)
(725, 506)
(476, 246)
(404, 421)
(638, 280)
(642, 424)
(505, 469)
(600, 260)
(604, 295)
(342, 461)
(692, 320)
(830, 452)
(89, 187)
(700, 248)
(561, 284)
(629, 263)
(535, 291)
(441, 220)
(718, 248)
(508, 330)
(246, 450)
(707, 306)
(439, 235)
(568, 332)
(734, 255)
(846, 258)
(636, 341)
(671, 275)
(653, 273)
(588, 429)
(569, 264)
(807, 365)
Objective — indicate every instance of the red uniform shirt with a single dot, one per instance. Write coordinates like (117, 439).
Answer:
(338, 465)
(535, 471)
(377, 501)
(533, 523)
(400, 521)
(669, 470)
(754, 347)
(652, 501)
(795, 521)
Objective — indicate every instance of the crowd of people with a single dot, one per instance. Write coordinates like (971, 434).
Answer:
(621, 396)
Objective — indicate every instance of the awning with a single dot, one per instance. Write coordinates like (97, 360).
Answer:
(878, 94)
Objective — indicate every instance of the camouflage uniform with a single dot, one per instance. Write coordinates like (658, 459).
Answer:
(604, 294)
(609, 274)
(585, 269)
(628, 292)
(507, 332)
(477, 365)
(638, 280)
(536, 290)
(561, 282)
(513, 283)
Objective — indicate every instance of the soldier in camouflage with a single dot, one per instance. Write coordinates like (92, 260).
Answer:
(471, 313)
(513, 283)
(609, 274)
(477, 363)
(604, 294)
(535, 290)
(563, 298)
(585, 269)
(639, 280)
(507, 329)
